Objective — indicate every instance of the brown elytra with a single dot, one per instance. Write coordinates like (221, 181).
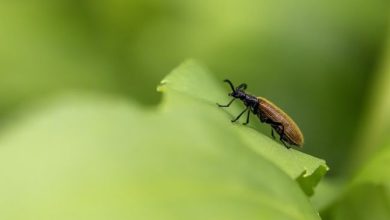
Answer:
(293, 134)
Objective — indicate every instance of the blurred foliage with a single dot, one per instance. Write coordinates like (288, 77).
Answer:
(83, 158)
(324, 62)
(300, 53)
(367, 196)
(374, 130)
(369, 189)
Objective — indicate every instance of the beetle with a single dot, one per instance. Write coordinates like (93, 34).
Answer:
(268, 113)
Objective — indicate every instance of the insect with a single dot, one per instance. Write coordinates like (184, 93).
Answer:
(268, 113)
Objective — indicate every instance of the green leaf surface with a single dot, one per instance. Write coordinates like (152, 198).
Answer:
(194, 81)
(94, 157)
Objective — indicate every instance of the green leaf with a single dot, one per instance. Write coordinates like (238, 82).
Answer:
(94, 157)
(193, 80)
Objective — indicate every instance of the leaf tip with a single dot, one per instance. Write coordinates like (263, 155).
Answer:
(162, 86)
(309, 180)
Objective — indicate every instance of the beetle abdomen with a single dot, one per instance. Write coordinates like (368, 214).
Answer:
(292, 133)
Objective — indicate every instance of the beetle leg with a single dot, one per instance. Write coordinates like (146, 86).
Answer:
(284, 143)
(247, 118)
(227, 105)
(273, 123)
(282, 136)
(240, 115)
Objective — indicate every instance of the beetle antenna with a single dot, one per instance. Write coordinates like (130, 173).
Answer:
(231, 84)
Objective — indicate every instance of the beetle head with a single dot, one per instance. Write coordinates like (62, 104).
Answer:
(239, 91)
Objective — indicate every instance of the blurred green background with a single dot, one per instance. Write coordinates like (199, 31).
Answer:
(317, 60)
(321, 61)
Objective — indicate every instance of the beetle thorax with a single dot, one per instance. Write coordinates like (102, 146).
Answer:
(239, 94)
(247, 99)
